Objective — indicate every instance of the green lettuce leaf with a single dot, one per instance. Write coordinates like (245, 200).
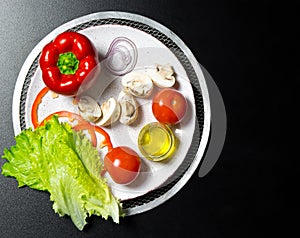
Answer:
(63, 162)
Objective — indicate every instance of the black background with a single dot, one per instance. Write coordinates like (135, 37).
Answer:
(246, 194)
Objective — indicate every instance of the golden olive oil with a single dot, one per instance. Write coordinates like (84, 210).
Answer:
(156, 141)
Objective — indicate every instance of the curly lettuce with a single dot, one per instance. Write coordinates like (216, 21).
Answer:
(63, 162)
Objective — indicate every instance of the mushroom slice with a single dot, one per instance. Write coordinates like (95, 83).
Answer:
(137, 83)
(129, 108)
(110, 112)
(162, 76)
(89, 109)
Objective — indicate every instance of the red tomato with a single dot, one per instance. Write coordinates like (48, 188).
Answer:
(169, 106)
(123, 164)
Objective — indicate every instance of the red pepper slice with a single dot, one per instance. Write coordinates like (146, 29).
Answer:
(106, 142)
(72, 116)
(35, 105)
(68, 61)
(84, 125)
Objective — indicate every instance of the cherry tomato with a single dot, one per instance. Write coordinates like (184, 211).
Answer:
(123, 164)
(169, 106)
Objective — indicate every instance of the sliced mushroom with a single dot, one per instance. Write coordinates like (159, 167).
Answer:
(129, 108)
(137, 83)
(166, 70)
(89, 109)
(162, 76)
(110, 112)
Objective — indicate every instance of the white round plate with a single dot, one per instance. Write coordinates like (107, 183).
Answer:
(155, 44)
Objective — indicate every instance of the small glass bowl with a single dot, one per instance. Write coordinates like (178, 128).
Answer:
(156, 141)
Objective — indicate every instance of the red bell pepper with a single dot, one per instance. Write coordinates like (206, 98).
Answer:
(68, 61)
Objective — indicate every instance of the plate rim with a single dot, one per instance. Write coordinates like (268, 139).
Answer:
(185, 49)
